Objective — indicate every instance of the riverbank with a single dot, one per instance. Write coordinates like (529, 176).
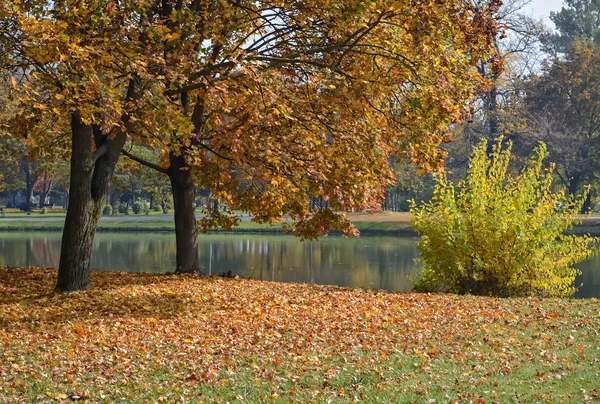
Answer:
(387, 223)
(164, 338)
(376, 224)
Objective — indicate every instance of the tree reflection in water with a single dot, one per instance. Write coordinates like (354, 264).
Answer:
(368, 262)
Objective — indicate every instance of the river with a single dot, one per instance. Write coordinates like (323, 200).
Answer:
(369, 262)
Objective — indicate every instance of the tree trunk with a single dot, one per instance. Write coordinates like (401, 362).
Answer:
(163, 203)
(493, 125)
(114, 202)
(587, 203)
(573, 184)
(46, 188)
(491, 106)
(29, 184)
(90, 178)
(186, 232)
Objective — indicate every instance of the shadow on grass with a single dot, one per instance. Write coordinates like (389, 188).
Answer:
(27, 298)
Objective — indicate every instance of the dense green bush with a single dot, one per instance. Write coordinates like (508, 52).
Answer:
(107, 210)
(497, 234)
(140, 206)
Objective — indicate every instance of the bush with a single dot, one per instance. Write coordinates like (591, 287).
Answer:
(44, 211)
(140, 206)
(156, 207)
(497, 234)
(107, 210)
(124, 208)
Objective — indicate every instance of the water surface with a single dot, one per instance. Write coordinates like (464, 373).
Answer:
(368, 262)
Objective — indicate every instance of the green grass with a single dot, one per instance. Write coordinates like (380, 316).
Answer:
(145, 338)
(399, 228)
(129, 226)
(34, 214)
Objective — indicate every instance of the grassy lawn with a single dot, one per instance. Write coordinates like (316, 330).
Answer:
(168, 226)
(162, 338)
(34, 213)
(117, 226)
(393, 223)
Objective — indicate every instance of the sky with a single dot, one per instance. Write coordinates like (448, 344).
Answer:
(542, 8)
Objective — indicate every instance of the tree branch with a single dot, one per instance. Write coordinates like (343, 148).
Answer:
(145, 163)
(100, 151)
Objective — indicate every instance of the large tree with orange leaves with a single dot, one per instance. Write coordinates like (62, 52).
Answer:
(278, 118)
(263, 102)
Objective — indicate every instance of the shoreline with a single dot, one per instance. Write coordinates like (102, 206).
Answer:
(392, 228)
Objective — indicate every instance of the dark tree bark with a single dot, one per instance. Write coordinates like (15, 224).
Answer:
(28, 193)
(164, 203)
(43, 196)
(184, 201)
(132, 193)
(91, 172)
(587, 204)
(186, 231)
(30, 180)
(114, 202)
(573, 185)
(491, 106)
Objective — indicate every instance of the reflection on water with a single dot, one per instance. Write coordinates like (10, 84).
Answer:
(368, 262)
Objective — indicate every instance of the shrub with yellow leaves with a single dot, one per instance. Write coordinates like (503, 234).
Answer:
(500, 234)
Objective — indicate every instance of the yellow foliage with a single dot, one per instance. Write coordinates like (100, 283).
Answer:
(498, 234)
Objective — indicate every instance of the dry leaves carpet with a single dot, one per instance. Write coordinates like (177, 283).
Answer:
(163, 338)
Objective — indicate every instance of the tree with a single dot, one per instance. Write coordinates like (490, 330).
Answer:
(410, 183)
(82, 67)
(264, 103)
(517, 46)
(26, 167)
(290, 101)
(577, 20)
(564, 104)
(154, 184)
(11, 181)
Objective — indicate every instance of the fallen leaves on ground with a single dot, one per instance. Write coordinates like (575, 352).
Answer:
(167, 338)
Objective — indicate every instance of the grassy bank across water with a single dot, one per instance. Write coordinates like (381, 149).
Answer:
(163, 338)
(395, 227)
(366, 227)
